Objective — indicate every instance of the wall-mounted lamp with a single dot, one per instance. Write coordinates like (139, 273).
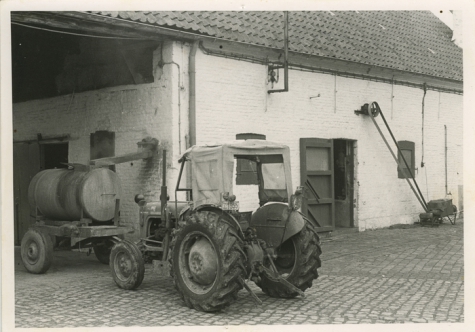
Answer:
(273, 75)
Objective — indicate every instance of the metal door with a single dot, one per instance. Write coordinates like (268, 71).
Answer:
(316, 171)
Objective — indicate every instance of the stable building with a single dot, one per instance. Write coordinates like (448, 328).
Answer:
(89, 85)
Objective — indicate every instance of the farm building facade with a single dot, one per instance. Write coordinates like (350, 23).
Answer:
(112, 79)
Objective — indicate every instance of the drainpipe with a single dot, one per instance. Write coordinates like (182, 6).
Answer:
(446, 183)
(192, 107)
(192, 89)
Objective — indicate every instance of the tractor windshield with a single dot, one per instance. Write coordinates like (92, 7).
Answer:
(273, 185)
(273, 176)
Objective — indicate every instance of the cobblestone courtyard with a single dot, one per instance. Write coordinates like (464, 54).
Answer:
(402, 275)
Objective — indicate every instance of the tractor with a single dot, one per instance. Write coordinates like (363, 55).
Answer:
(209, 247)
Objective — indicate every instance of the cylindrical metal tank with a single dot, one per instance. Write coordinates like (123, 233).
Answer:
(61, 194)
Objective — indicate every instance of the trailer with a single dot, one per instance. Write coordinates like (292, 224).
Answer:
(77, 208)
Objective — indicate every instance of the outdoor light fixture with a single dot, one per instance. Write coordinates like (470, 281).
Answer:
(273, 75)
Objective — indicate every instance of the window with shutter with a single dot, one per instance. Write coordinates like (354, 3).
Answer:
(407, 150)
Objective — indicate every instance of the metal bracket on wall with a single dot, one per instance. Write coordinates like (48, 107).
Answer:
(286, 57)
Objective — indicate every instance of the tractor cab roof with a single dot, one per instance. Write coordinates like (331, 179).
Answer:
(250, 147)
(213, 166)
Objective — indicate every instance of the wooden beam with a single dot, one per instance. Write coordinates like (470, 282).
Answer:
(109, 161)
(80, 22)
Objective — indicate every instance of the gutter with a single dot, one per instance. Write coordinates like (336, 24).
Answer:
(300, 62)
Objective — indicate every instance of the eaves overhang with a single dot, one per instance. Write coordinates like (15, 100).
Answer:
(96, 24)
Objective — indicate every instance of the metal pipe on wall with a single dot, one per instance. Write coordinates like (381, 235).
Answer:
(446, 184)
(192, 89)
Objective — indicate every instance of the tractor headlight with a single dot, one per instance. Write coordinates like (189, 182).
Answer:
(228, 202)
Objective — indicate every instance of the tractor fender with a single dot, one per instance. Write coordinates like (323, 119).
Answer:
(275, 223)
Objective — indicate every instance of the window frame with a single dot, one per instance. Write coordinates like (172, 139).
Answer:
(402, 170)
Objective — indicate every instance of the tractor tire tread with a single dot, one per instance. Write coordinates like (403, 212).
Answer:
(309, 261)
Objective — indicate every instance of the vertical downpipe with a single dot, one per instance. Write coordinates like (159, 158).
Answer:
(286, 51)
(192, 89)
(192, 105)
(446, 184)
(164, 210)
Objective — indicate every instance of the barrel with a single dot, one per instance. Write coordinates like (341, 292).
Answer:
(62, 194)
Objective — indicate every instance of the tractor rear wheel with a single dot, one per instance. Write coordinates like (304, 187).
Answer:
(297, 261)
(206, 260)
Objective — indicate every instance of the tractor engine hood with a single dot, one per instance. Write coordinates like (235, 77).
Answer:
(155, 208)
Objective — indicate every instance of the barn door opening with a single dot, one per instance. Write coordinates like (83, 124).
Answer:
(343, 159)
(30, 158)
(317, 177)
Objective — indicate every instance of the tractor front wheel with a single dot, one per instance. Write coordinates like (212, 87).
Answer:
(207, 262)
(297, 261)
(127, 265)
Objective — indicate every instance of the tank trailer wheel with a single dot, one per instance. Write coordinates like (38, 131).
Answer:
(206, 260)
(36, 251)
(127, 265)
(102, 252)
(297, 261)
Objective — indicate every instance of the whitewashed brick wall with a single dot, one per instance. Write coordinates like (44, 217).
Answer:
(232, 98)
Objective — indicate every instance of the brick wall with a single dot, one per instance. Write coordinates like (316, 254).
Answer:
(243, 105)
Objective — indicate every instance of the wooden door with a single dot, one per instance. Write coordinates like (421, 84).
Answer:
(316, 171)
(26, 163)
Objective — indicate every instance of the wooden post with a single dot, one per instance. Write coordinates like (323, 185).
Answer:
(164, 212)
(116, 212)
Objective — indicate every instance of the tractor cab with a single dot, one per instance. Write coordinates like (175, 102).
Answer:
(275, 219)
(214, 167)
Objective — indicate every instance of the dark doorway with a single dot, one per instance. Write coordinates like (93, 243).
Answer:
(29, 158)
(54, 155)
(344, 179)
